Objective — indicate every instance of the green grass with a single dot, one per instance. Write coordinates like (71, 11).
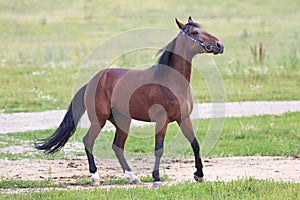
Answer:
(268, 135)
(14, 184)
(44, 44)
(35, 88)
(239, 189)
(25, 142)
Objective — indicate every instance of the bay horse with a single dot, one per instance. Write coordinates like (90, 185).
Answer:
(159, 94)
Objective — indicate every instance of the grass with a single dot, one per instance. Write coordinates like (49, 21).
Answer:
(44, 44)
(15, 184)
(268, 135)
(111, 180)
(238, 189)
(33, 88)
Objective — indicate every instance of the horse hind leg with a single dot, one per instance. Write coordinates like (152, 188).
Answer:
(118, 147)
(88, 142)
(122, 125)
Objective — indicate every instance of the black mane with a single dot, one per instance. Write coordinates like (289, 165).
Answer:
(164, 59)
(167, 53)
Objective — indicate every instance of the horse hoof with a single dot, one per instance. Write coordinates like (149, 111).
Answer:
(95, 178)
(95, 181)
(133, 178)
(198, 178)
(135, 181)
(156, 184)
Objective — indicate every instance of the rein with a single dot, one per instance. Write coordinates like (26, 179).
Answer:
(208, 47)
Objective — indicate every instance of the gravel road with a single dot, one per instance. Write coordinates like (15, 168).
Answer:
(21, 122)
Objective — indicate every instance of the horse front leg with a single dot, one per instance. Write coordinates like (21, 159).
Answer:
(160, 131)
(187, 130)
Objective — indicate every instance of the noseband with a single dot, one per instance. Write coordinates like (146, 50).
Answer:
(207, 47)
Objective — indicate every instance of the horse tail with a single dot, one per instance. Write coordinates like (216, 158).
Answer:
(67, 127)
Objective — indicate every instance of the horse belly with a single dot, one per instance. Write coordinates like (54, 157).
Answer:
(153, 103)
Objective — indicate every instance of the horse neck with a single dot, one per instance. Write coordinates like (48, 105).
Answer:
(182, 59)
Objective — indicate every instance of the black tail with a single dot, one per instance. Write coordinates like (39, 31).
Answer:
(67, 127)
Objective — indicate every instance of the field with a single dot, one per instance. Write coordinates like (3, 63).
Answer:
(43, 48)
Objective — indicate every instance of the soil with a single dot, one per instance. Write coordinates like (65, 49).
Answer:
(70, 170)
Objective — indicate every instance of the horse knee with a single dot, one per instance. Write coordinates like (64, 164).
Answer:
(89, 139)
(116, 149)
(84, 141)
(88, 144)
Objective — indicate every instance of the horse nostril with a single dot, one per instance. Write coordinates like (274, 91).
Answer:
(219, 45)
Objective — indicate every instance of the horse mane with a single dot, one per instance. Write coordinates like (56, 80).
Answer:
(164, 59)
(168, 50)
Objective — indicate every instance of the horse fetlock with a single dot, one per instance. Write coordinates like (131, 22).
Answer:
(133, 178)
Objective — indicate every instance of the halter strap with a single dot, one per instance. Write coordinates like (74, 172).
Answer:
(208, 47)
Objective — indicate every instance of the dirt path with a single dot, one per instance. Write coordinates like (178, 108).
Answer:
(21, 122)
(285, 169)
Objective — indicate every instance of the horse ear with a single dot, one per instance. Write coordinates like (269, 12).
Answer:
(179, 24)
(190, 20)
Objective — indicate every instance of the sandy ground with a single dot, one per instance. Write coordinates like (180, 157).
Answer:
(285, 169)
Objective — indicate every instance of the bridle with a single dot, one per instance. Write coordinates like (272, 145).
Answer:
(207, 47)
